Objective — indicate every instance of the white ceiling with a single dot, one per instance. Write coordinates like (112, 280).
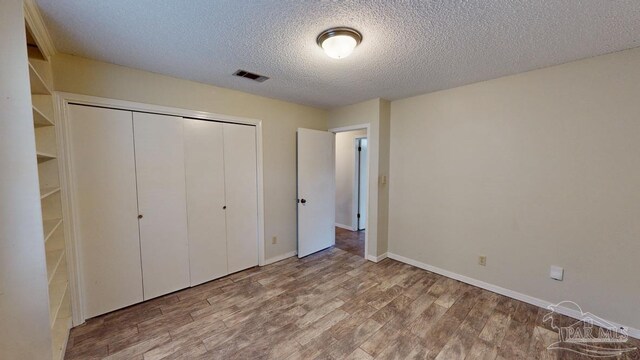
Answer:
(409, 47)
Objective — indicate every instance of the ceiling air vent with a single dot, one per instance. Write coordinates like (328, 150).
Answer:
(251, 76)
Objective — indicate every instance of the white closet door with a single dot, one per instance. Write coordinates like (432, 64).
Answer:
(104, 187)
(240, 161)
(159, 153)
(204, 166)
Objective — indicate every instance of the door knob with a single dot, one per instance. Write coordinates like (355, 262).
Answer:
(224, 207)
(140, 216)
(303, 201)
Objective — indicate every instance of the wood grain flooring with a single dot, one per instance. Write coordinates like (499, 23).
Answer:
(350, 241)
(330, 305)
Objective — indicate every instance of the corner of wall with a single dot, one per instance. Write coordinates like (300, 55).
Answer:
(384, 117)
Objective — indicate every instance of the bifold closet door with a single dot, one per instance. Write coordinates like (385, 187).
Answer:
(204, 166)
(159, 155)
(103, 181)
(241, 191)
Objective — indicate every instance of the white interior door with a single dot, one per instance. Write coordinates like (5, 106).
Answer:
(316, 191)
(159, 154)
(241, 189)
(104, 188)
(204, 166)
(362, 183)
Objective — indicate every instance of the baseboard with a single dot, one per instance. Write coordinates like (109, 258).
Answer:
(343, 226)
(502, 291)
(377, 258)
(280, 257)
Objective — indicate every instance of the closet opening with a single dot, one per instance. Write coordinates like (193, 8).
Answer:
(135, 173)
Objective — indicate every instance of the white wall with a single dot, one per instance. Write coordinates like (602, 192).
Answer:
(532, 170)
(24, 302)
(346, 198)
(280, 121)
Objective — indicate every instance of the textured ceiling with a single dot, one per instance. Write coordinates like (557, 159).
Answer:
(409, 47)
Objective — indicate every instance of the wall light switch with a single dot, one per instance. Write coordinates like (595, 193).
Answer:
(274, 240)
(383, 180)
(556, 273)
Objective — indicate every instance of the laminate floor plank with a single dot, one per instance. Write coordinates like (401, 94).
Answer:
(331, 305)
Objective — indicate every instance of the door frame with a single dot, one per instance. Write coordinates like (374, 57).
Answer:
(356, 184)
(62, 100)
(367, 127)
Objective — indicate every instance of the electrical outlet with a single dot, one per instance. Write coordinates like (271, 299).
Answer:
(556, 273)
(482, 260)
(274, 240)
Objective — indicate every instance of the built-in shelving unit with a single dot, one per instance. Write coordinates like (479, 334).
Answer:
(50, 226)
(38, 83)
(42, 110)
(42, 156)
(48, 191)
(50, 196)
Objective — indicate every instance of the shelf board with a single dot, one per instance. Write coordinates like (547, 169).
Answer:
(42, 156)
(40, 119)
(50, 226)
(60, 328)
(46, 192)
(38, 85)
(56, 297)
(60, 336)
(54, 259)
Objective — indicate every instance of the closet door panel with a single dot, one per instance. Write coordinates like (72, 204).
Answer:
(204, 166)
(103, 182)
(159, 154)
(240, 161)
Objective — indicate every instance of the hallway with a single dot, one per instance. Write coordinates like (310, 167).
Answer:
(350, 241)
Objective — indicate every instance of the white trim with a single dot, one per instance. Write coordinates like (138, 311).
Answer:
(367, 127)
(356, 184)
(277, 258)
(346, 227)
(350, 128)
(377, 258)
(260, 179)
(70, 217)
(61, 103)
(39, 31)
(506, 292)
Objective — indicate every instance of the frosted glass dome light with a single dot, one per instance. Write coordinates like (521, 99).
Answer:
(338, 43)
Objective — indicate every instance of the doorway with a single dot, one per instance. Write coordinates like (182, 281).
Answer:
(351, 190)
(324, 213)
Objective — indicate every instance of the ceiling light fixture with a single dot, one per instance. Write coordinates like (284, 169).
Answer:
(339, 42)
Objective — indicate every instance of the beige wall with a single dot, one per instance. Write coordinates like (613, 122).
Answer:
(24, 301)
(280, 121)
(346, 197)
(532, 170)
(375, 113)
(384, 139)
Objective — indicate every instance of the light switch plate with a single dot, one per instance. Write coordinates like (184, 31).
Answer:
(556, 273)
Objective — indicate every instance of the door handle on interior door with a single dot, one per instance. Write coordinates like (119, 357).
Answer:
(303, 201)
(140, 216)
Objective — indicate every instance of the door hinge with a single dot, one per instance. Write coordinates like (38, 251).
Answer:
(359, 148)
(358, 216)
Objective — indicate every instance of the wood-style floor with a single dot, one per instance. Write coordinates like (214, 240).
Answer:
(350, 241)
(330, 305)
